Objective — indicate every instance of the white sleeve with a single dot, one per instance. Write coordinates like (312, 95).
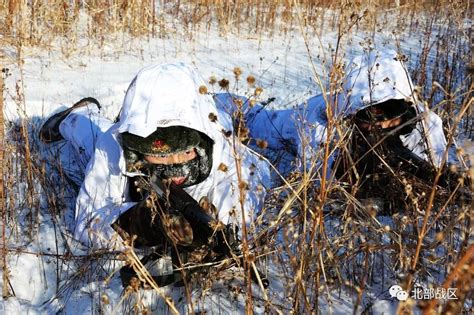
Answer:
(101, 197)
(225, 194)
(415, 141)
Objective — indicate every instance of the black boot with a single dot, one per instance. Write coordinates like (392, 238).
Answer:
(160, 268)
(50, 130)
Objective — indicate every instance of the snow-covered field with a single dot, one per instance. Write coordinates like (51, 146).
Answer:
(42, 278)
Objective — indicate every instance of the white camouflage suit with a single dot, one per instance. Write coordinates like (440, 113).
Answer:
(389, 79)
(159, 96)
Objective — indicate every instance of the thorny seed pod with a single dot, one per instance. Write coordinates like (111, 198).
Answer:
(227, 133)
(239, 102)
(258, 91)
(149, 204)
(404, 219)
(224, 84)
(401, 57)
(252, 102)
(202, 89)
(212, 117)
(244, 133)
(222, 167)
(212, 80)
(251, 80)
(453, 168)
(237, 72)
(460, 151)
(243, 185)
(439, 236)
(134, 284)
(105, 299)
(262, 144)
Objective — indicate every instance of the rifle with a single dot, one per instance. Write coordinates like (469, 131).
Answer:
(399, 155)
(222, 239)
(396, 156)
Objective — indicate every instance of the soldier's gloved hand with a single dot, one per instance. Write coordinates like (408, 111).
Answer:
(177, 228)
(140, 224)
(149, 228)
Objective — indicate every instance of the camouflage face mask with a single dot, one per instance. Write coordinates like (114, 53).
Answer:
(387, 110)
(178, 139)
(194, 171)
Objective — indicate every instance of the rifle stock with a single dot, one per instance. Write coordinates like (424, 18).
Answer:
(221, 238)
(418, 167)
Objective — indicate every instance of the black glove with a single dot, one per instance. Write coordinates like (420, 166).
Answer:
(152, 225)
(138, 222)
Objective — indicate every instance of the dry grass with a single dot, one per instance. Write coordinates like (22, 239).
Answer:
(321, 238)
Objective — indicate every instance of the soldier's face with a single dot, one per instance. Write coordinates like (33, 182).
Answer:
(381, 124)
(177, 158)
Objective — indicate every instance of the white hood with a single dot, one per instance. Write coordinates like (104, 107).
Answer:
(163, 96)
(374, 78)
(166, 95)
(379, 76)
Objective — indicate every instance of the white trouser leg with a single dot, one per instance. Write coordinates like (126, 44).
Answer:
(80, 129)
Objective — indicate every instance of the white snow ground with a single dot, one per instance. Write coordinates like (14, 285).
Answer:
(53, 82)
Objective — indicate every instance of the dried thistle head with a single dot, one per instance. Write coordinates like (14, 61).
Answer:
(401, 57)
(440, 236)
(223, 168)
(224, 84)
(251, 80)
(244, 133)
(227, 133)
(237, 72)
(212, 117)
(212, 80)
(134, 284)
(258, 91)
(202, 89)
(239, 102)
(105, 299)
(232, 212)
(243, 185)
(262, 144)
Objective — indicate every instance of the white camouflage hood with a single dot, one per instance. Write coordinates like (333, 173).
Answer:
(166, 95)
(374, 78)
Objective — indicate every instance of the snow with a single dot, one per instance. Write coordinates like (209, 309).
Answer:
(52, 82)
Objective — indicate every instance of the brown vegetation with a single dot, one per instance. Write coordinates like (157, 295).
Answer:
(317, 252)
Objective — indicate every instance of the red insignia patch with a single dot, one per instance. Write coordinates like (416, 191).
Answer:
(158, 143)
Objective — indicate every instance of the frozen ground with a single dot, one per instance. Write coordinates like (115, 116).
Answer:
(52, 82)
